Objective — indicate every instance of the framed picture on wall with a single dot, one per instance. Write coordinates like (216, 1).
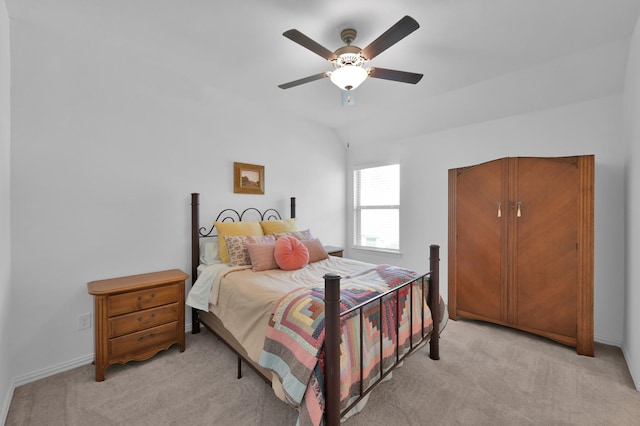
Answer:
(248, 178)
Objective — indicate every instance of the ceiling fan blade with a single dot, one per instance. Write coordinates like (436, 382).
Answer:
(401, 76)
(304, 41)
(304, 80)
(397, 32)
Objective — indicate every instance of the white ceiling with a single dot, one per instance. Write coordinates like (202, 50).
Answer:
(481, 59)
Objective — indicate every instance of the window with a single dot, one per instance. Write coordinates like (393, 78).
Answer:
(376, 207)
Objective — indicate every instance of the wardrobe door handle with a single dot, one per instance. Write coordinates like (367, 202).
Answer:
(519, 211)
(499, 209)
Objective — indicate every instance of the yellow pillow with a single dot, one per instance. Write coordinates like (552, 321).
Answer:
(279, 226)
(234, 229)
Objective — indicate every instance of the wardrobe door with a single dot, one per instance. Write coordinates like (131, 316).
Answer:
(544, 239)
(476, 206)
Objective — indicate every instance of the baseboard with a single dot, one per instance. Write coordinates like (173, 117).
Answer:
(59, 368)
(40, 374)
(606, 341)
(46, 372)
(634, 377)
(54, 369)
(7, 403)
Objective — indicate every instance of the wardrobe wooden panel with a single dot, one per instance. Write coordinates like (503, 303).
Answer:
(479, 294)
(521, 246)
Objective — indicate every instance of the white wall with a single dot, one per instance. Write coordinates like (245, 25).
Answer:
(108, 143)
(593, 127)
(631, 345)
(6, 379)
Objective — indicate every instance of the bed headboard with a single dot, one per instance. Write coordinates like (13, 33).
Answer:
(232, 215)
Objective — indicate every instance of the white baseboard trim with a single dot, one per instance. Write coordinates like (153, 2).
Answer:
(41, 374)
(46, 372)
(7, 403)
(54, 369)
(634, 377)
(606, 341)
(59, 368)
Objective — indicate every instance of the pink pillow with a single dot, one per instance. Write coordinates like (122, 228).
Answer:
(237, 247)
(262, 256)
(290, 253)
(316, 250)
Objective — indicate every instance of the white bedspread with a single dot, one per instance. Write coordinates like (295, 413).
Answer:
(207, 287)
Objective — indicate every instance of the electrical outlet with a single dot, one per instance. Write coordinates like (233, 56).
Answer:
(84, 321)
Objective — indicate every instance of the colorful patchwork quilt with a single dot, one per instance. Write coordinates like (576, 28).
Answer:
(294, 344)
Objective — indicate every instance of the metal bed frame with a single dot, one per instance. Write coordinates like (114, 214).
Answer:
(333, 316)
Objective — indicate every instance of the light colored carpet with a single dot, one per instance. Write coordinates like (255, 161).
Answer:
(487, 375)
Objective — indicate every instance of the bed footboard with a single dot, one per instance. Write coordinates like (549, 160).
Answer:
(434, 300)
(332, 348)
(332, 334)
(195, 254)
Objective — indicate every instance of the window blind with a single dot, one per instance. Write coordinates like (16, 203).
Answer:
(376, 196)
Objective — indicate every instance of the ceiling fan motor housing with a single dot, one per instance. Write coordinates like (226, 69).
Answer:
(348, 55)
(348, 58)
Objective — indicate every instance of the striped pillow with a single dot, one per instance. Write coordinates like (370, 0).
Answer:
(316, 250)
(262, 256)
(237, 247)
(300, 235)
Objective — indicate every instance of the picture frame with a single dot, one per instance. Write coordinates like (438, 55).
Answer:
(248, 178)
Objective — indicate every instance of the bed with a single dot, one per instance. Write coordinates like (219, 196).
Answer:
(324, 334)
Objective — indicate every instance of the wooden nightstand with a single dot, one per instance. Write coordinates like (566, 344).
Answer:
(137, 316)
(334, 251)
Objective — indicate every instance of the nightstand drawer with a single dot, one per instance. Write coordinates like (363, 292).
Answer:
(151, 338)
(144, 299)
(141, 320)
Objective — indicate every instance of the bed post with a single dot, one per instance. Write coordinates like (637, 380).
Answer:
(332, 349)
(195, 254)
(434, 300)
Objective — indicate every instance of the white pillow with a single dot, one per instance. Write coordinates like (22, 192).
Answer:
(209, 251)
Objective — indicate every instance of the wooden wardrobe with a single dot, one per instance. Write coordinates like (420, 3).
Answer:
(521, 246)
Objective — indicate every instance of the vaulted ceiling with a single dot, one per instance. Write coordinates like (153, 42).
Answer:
(481, 59)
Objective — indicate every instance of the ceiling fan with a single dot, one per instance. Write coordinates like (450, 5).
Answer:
(349, 61)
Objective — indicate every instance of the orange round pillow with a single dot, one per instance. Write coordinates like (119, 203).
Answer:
(290, 253)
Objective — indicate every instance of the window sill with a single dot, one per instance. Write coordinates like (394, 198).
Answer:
(377, 250)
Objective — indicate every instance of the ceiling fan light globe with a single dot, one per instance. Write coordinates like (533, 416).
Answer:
(348, 77)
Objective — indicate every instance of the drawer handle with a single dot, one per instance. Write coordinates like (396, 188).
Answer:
(152, 316)
(149, 299)
(141, 338)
